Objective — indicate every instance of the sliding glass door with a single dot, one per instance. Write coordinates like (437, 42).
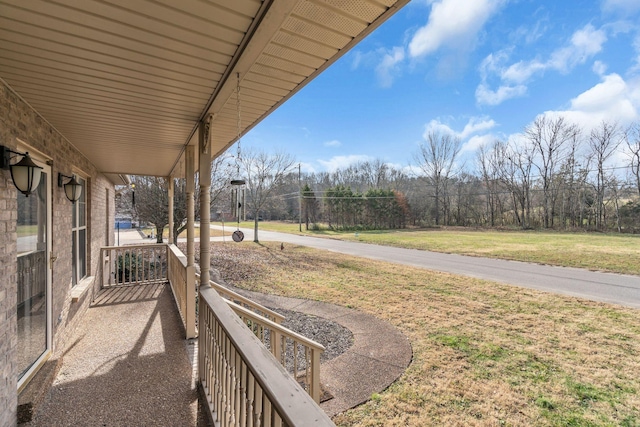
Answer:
(34, 281)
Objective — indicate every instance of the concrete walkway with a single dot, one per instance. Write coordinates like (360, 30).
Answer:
(127, 365)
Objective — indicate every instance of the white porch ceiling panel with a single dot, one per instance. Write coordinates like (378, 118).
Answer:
(127, 81)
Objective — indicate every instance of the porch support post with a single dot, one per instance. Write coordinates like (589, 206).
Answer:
(170, 190)
(190, 294)
(190, 184)
(205, 199)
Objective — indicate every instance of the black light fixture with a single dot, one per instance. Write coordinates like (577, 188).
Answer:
(72, 189)
(25, 174)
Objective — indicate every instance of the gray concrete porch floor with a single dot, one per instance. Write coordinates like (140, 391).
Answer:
(128, 365)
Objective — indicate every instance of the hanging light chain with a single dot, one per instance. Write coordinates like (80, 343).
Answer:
(239, 117)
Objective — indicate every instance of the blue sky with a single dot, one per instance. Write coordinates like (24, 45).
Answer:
(481, 69)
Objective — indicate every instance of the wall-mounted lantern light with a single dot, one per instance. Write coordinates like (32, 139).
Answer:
(25, 174)
(72, 189)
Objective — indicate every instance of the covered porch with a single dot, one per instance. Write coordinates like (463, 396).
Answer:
(152, 88)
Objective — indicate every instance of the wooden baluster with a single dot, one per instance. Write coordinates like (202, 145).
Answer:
(257, 406)
(251, 390)
(266, 412)
(244, 400)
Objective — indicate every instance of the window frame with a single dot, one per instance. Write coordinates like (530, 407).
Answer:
(79, 268)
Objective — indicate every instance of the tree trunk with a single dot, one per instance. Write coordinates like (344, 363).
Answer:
(255, 227)
(159, 230)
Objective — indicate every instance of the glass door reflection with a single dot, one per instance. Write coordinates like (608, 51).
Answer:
(32, 300)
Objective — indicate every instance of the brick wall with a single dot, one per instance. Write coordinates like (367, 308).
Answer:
(19, 121)
(8, 296)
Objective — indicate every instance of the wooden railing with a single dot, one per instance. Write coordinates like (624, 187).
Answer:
(243, 383)
(298, 354)
(244, 301)
(183, 286)
(133, 265)
(32, 276)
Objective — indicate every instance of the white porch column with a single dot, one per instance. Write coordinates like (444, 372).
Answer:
(190, 177)
(205, 200)
(190, 173)
(170, 191)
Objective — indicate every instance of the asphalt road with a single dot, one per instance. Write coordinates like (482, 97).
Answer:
(604, 287)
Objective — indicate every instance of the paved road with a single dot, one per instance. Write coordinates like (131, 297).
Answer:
(604, 287)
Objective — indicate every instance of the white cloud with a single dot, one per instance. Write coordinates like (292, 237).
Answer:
(387, 63)
(492, 64)
(583, 45)
(599, 67)
(613, 100)
(389, 67)
(474, 126)
(333, 143)
(475, 142)
(452, 23)
(341, 162)
(531, 33)
(307, 167)
(521, 71)
(486, 96)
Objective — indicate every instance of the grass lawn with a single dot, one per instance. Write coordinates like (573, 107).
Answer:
(165, 232)
(595, 251)
(485, 354)
(283, 227)
(27, 230)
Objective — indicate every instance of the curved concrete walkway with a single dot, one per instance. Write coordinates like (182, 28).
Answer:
(379, 355)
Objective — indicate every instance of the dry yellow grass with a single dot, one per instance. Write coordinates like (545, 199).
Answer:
(485, 354)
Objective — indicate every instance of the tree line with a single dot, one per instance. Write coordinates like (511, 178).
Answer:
(554, 175)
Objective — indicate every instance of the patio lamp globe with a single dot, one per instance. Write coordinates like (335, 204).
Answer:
(73, 190)
(26, 175)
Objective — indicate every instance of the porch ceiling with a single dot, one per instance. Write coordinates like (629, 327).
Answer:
(126, 82)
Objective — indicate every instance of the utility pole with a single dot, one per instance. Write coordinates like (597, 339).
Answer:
(299, 199)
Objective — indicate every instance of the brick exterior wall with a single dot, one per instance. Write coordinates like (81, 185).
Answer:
(8, 297)
(19, 121)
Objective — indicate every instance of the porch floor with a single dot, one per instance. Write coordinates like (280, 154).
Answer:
(128, 364)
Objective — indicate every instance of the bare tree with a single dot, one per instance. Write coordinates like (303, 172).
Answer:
(632, 137)
(549, 137)
(152, 202)
(264, 175)
(603, 141)
(488, 161)
(515, 162)
(436, 158)
(220, 172)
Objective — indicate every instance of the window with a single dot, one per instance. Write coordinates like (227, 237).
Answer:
(79, 234)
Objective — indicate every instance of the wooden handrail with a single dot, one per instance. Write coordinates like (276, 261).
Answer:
(236, 297)
(246, 313)
(183, 285)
